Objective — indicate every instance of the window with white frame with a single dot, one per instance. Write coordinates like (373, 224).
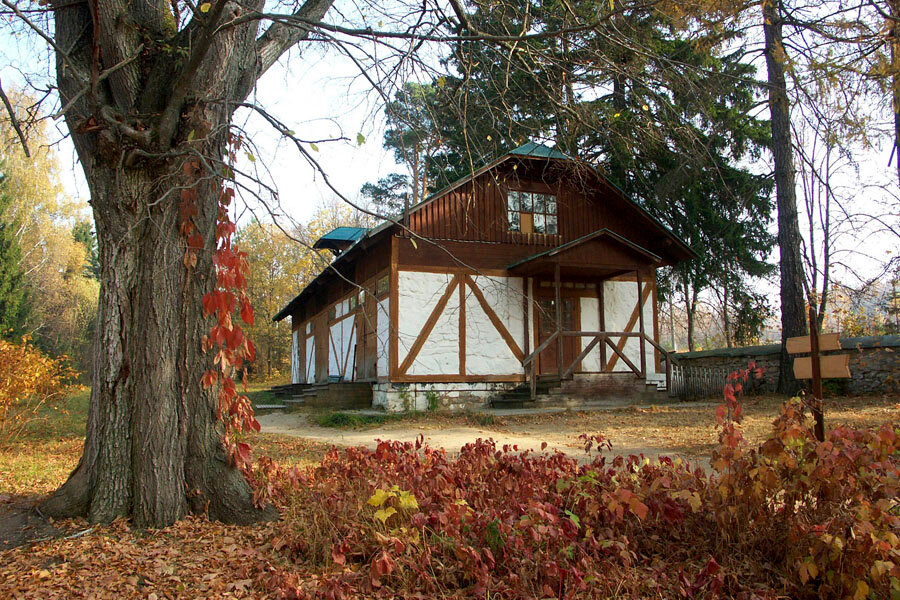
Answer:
(530, 212)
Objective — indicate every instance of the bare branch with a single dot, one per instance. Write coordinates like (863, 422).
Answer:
(14, 120)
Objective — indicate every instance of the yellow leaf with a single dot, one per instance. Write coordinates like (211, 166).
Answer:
(385, 513)
(379, 497)
(862, 590)
(204, 8)
(812, 569)
(414, 244)
(408, 501)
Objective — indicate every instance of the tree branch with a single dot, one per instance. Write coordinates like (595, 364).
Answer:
(279, 37)
(14, 121)
(168, 121)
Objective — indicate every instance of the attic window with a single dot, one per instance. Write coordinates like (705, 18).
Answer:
(531, 213)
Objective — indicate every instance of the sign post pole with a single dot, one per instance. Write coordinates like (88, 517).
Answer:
(816, 374)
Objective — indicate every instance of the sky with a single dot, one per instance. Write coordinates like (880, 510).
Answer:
(321, 95)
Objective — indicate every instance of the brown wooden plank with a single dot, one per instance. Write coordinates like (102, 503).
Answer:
(801, 345)
(462, 325)
(394, 303)
(495, 320)
(833, 366)
(429, 325)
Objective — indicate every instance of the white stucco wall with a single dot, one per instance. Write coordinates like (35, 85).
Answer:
(419, 293)
(487, 353)
(311, 359)
(383, 331)
(343, 345)
(620, 298)
(296, 375)
(590, 321)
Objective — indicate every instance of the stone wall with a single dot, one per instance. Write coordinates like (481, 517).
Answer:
(400, 397)
(874, 364)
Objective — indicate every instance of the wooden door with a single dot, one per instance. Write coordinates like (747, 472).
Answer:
(546, 319)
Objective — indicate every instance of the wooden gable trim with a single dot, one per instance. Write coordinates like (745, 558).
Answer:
(495, 320)
(429, 325)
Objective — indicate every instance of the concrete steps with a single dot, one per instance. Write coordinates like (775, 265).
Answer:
(600, 389)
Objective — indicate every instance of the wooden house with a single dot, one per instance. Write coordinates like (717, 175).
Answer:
(532, 269)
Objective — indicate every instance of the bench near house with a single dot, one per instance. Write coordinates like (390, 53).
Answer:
(533, 278)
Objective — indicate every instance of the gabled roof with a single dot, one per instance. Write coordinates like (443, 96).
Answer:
(584, 239)
(535, 150)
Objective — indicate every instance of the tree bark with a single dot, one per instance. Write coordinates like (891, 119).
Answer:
(793, 308)
(153, 447)
(894, 26)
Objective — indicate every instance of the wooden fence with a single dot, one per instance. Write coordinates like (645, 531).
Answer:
(697, 382)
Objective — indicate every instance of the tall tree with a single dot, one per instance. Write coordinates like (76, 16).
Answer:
(13, 296)
(84, 234)
(793, 306)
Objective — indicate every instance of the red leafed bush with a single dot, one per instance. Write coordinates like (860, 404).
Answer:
(791, 518)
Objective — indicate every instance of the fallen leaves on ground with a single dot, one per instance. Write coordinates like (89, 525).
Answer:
(194, 558)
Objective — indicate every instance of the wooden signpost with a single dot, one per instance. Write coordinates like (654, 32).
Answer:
(815, 367)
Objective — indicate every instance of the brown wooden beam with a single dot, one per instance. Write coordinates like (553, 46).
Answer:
(495, 320)
(462, 323)
(557, 290)
(640, 294)
(428, 326)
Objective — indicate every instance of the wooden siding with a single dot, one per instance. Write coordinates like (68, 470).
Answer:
(476, 211)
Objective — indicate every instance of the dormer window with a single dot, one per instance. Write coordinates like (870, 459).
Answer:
(531, 213)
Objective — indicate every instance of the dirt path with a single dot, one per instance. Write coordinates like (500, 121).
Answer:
(526, 436)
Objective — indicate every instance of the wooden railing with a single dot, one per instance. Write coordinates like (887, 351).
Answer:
(604, 338)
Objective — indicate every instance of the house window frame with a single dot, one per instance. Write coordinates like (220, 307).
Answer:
(537, 221)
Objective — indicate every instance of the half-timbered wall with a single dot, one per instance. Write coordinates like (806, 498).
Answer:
(458, 327)
(310, 353)
(296, 372)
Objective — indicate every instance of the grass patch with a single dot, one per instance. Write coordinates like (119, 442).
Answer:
(348, 420)
(343, 420)
(259, 393)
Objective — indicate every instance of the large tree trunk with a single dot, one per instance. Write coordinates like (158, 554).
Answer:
(152, 431)
(153, 448)
(894, 26)
(793, 308)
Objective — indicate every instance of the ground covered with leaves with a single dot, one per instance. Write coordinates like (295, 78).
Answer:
(780, 515)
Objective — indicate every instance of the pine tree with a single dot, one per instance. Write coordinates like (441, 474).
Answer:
(13, 296)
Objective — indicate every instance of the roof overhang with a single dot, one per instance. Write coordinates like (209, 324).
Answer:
(546, 260)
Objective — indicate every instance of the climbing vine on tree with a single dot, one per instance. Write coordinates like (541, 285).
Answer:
(227, 302)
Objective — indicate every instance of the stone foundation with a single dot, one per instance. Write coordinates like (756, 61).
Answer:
(458, 396)
(874, 364)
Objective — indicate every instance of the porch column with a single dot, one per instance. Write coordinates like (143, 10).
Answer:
(559, 345)
(640, 300)
(601, 319)
(526, 299)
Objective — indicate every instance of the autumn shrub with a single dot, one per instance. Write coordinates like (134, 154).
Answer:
(31, 383)
(790, 518)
